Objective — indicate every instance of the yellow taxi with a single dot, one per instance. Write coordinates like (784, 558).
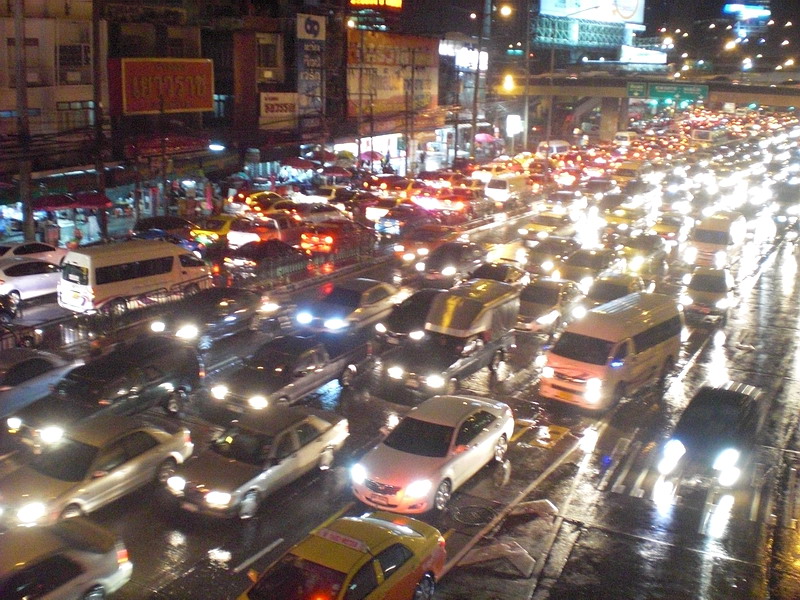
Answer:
(378, 555)
(421, 241)
(214, 229)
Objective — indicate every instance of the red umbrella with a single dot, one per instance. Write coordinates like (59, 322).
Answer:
(321, 156)
(371, 155)
(484, 138)
(299, 163)
(336, 172)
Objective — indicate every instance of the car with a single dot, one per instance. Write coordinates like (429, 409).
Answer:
(546, 304)
(338, 236)
(317, 212)
(406, 321)
(673, 228)
(210, 315)
(151, 371)
(38, 250)
(159, 234)
(627, 219)
(716, 435)
(646, 255)
(72, 559)
(9, 308)
(597, 188)
(27, 278)
(566, 200)
(267, 259)
(436, 448)
(404, 217)
(214, 229)
(254, 456)
(506, 271)
(545, 255)
(91, 465)
(171, 224)
(348, 306)
(28, 366)
(545, 224)
(587, 264)
(416, 244)
(608, 288)
(449, 263)
(373, 556)
(709, 295)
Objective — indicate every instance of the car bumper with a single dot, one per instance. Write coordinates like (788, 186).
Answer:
(197, 506)
(393, 502)
(119, 578)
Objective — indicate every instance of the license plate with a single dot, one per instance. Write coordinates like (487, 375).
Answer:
(703, 309)
(189, 506)
(236, 408)
(378, 499)
(412, 383)
(562, 396)
(392, 340)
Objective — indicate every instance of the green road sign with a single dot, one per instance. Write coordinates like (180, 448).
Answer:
(677, 91)
(637, 89)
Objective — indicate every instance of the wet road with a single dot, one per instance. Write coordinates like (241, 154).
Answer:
(610, 527)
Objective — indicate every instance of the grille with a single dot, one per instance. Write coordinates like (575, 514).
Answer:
(380, 488)
(564, 377)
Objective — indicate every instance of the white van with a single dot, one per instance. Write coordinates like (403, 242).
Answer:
(632, 169)
(546, 148)
(508, 190)
(614, 350)
(624, 138)
(115, 277)
(717, 240)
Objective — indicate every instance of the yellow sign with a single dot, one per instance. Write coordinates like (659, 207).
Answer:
(393, 4)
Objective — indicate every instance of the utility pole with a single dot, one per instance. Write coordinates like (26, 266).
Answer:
(527, 94)
(97, 92)
(413, 105)
(23, 123)
(484, 29)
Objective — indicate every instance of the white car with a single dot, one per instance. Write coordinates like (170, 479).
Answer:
(33, 250)
(24, 278)
(432, 452)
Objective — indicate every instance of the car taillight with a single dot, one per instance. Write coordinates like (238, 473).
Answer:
(441, 541)
(328, 239)
(187, 436)
(122, 554)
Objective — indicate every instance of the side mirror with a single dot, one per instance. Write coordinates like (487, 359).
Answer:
(299, 374)
(461, 448)
(99, 474)
(252, 575)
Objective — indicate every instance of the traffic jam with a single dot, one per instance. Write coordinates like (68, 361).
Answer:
(348, 392)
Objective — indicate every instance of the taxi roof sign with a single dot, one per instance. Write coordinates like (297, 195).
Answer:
(344, 540)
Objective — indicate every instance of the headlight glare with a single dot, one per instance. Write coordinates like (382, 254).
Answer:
(726, 459)
(449, 271)
(416, 335)
(158, 326)
(187, 332)
(31, 513)
(176, 484)
(214, 498)
(258, 402)
(50, 435)
(434, 381)
(14, 423)
(358, 473)
(335, 323)
(304, 318)
(380, 327)
(418, 488)
(219, 391)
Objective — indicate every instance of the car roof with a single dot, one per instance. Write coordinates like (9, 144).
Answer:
(9, 261)
(216, 294)
(11, 356)
(291, 344)
(449, 410)
(102, 429)
(360, 284)
(272, 420)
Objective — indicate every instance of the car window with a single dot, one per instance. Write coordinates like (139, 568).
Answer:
(25, 371)
(392, 559)
(111, 457)
(362, 583)
(286, 445)
(40, 579)
(473, 425)
(190, 260)
(306, 433)
(138, 443)
(152, 373)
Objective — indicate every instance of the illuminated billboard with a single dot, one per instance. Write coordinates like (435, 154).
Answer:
(377, 4)
(610, 11)
(169, 85)
(745, 12)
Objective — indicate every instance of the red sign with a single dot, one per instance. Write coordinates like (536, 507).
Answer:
(378, 4)
(170, 85)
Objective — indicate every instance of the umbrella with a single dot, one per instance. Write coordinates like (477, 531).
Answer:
(299, 163)
(371, 155)
(484, 138)
(324, 156)
(336, 172)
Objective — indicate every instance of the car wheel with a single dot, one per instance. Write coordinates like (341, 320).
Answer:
(71, 511)
(14, 297)
(96, 593)
(442, 496)
(451, 387)
(204, 343)
(176, 402)
(425, 588)
(497, 359)
(249, 505)
(348, 375)
(326, 459)
(500, 449)
(191, 290)
(118, 308)
(27, 342)
(165, 470)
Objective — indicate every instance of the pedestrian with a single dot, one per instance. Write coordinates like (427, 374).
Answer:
(92, 227)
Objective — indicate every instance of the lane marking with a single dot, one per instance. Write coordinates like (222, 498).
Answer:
(258, 555)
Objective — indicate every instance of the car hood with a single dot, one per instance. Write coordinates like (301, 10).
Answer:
(427, 358)
(403, 322)
(215, 472)
(253, 381)
(387, 465)
(329, 311)
(54, 410)
(577, 273)
(27, 485)
(534, 309)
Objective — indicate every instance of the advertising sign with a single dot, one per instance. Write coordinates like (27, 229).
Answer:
(378, 4)
(310, 61)
(170, 85)
(392, 66)
(278, 111)
(611, 11)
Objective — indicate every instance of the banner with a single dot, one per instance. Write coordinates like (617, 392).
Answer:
(169, 85)
(310, 80)
(278, 111)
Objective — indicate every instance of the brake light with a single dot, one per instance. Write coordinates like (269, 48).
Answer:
(122, 555)
(187, 436)
(328, 239)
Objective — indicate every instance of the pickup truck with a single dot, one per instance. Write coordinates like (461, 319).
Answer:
(287, 368)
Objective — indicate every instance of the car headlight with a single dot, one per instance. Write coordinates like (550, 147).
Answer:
(586, 283)
(542, 235)
(556, 274)
(522, 231)
(434, 381)
(549, 318)
(729, 476)
(158, 326)
(358, 473)
(726, 459)
(50, 435)
(408, 257)
(399, 248)
(686, 300)
(548, 266)
(720, 258)
(395, 372)
(449, 271)
(416, 335)
(672, 453)
(335, 323)
(637, 262)
(221, 499)
(258, 402)
(176, 484)
(420, 266)
(418, 488)
(31, 513)
(219, 391)
(594, 386)
(723, 303)
(304, 318)
(579, 312)
(268, 306)
(187, 332)
(690, 254)
(548, 372)
(422, 251)
(380, 327)
(14, 423)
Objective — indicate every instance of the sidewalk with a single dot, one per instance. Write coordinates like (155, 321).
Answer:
(118, 227)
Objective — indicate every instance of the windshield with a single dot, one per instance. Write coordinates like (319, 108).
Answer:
(540, 295)
(707, 236)
(267, 359)
(444, 255)
(603, 291)
(585, 259)
(75, 274)
(548, 220)
(424, 235)
(497, 184)
(642, 243)
(82, 389)
(215, 224)
(709, 419)
(420, 437)
(67, 461)
(708, 283)
(343, 297)
(496, 272)
(296, 579)
(583, 348)
(243, 446)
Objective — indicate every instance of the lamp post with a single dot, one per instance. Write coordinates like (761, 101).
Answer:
(484, 29)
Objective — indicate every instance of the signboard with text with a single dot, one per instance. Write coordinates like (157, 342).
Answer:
(610, 11)
(677, 91)
(311, 34)
(278, 111)
(168, 85)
